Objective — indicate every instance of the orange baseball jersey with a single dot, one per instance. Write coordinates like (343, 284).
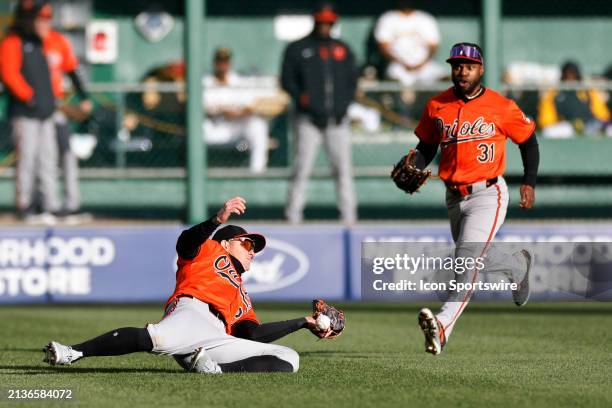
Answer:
(212, 278)
(472, 135)
(61, 59)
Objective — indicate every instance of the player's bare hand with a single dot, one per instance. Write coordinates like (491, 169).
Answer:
(527, 196)
(86, 106)
(312, 326)
(236, 205)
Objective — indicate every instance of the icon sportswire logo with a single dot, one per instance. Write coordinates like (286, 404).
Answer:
(282, 265)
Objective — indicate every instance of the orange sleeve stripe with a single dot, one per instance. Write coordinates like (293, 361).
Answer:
(10, 69)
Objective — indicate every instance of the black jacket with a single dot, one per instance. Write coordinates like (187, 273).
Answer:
(24, 53)
(321, 77)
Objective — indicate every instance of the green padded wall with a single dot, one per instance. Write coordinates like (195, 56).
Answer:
(545, 40)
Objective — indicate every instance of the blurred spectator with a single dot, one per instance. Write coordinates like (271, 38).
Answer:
(366, 117)
(156, 119)
(525, 78)
(409, 39)
(608, 77)
(230, 119)
(320, 75)
(564, 113)
(68, 160)
(25, 54)
(63, 61)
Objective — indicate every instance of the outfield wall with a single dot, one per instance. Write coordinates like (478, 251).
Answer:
(137, 263)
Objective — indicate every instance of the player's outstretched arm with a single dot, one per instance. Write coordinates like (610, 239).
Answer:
(190, 240)
(333, 325)
(269, 332)
(530, 155)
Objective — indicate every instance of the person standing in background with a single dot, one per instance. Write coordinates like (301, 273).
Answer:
(25, 72)
(62, 61)
(320, 75)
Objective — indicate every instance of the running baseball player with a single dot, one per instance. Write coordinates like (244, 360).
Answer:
(209, 325)
(470, 124)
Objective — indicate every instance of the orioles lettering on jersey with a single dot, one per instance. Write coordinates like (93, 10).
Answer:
(224, 269)
(212, 278)
(477, 130)
(472, 134)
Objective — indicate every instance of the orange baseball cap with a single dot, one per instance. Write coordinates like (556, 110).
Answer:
(325, 14)
(46, 11)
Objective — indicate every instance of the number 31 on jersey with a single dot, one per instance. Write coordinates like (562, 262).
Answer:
(487, 152)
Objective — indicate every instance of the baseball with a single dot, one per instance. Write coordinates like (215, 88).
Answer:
(323, 322)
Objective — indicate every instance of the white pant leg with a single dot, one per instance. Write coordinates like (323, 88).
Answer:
(428, 73)
(306, 138)
(253, 128)
(220, 131)
(256, 133)
(69, 163)
(240, 349)
(47, 169)
(189, 326)
(399, 73)
(480, 216)
(25, 132)
(512, 266)
(338, 145)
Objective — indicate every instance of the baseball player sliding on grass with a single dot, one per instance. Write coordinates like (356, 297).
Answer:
(209, 325)
(470, 124)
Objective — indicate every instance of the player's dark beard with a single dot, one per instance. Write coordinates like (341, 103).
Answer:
(467, 89)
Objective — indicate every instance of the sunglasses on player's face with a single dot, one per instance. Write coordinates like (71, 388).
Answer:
(246, 243)
(465, 51)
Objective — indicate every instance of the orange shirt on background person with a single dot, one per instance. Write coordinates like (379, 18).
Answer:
(472, 134)
(11, 56)
(61, 60)
(212, 278)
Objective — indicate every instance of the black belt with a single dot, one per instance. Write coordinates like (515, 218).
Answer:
(466, 189)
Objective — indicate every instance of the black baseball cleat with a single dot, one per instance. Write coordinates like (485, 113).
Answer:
(521, 294)
(433, 331)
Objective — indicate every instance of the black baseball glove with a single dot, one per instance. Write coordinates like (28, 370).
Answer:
(407, 176)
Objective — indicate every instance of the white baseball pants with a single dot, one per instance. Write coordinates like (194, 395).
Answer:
(191, 325)
(475, 220)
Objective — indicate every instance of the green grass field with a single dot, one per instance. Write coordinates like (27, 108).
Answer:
(545, 355)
